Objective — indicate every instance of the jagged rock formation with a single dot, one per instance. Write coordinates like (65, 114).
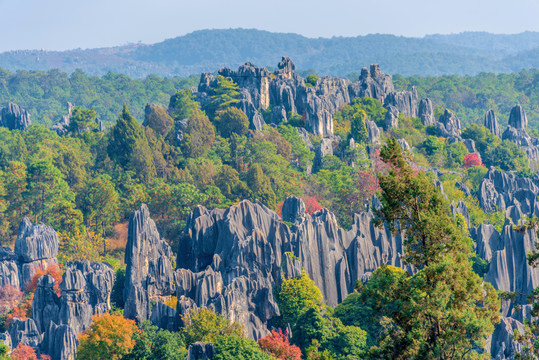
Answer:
(56, 320)
(449, 125)
(491, 123)
(287, 93)
(426, 112)
(149, 273)
(230, 259)
(374, 84)
(36, 246)
(325, 148)
(391, 119)
(518, 118)
(201, 351)
(373, 132)
(404, 101)
(14, 117)
(62, 126)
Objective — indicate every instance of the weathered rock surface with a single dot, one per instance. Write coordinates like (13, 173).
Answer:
(24, 332)
(373, 132)
(448, 125)
(149, 274)
(9, 271)
(201, 351)
(491, 123)
(46, 303)
(60, 342)
(426, 112)
(14, 117)
(518, 118)
(392, 118)
(404, 101)
(501, 344)
(372, 83)
(325, 148)
(230, 259)
(36, 247)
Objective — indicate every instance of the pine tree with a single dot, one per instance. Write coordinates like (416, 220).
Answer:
(260, 186)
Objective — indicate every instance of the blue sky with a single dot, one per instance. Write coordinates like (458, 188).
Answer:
(67, 24)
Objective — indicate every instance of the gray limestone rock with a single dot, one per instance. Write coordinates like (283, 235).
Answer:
(517, 118)
(305, 137)
(62, 126)
(293, 209)
(462, 209)
(325, 148)
(149, 276)
(404, 101)
(501, 344)
(9, 272)
(426, 112)
(254, 79)
(201, 351)
(5, 338)
(229, 260)
(462, 187)
(24, 332)
(404, 145)
(278, 114)
(373, 132)
(392, 118)
(60, 342)
(449, 125)
(36, 247)
(164, 317)
(487, 239)
(35, 242)
(46, 303)
(372, 83)
(14, 117)
(470, 145)
(491, 123)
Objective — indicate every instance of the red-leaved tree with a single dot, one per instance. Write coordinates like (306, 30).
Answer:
(25, 352)
(278, 345)
(10, 297)
(51, 269)
(311, 204)
(472, 159)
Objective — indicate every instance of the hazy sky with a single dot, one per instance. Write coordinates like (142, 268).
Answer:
(67, 24)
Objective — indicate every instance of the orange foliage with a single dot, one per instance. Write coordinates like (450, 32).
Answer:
(53, 270)
(278, 345)
(109, 337)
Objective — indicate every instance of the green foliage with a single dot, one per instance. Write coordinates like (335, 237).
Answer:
(358, 129)
(421, 305)
(207, 326)
(182, 105)
(311, 80)
(117, 294)
(359, 109)
(129, 148)
(199, 135)
(237, 347)
(231, 121)
(152, 343)
(82, 120)
(509, 157)
(260, 186)
(224, 94)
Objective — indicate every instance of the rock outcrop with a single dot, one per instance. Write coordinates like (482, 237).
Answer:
(426, 112)
(372, 83)
(62, 126)
(14, 117)
(518, 118)
(201, 351)
(36, 247)
(448, 125)
(149, 276)
(404, 101)
(391, 119)
(491, 123)
(230, 259)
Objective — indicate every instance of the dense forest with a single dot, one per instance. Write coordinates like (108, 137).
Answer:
(163, 148)
(466, 53)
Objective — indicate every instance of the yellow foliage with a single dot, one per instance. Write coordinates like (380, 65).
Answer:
(81, 246)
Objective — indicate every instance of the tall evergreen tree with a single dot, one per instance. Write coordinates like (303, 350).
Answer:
(260, 186)
(129, 148)
(444, 310)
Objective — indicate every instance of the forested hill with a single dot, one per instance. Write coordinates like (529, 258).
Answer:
(206, 50)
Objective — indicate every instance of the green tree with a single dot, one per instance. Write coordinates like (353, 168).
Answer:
(100, 203)
(199, 135)
(358, 129)
(182, 105)
(443, 310)
(224, 94)
(231, 121)
(152, 343)
(260, 186)
(157, 118)
(82, 120)
(207, 326)
(236, 347)
(129, 148)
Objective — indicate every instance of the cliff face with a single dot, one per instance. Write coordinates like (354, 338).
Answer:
(56, 320)
(231, 259)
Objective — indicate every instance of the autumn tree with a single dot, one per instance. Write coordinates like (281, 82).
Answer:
(472, 159)
(108, 337)
(279, 346)
(444, 309)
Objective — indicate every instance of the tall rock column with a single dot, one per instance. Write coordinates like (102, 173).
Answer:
(149, 274)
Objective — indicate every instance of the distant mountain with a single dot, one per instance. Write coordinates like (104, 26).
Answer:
(207, 50)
